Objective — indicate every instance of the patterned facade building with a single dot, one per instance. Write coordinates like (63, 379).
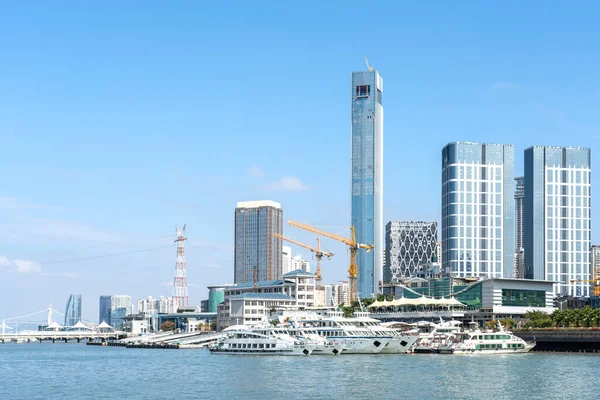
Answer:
(409, 246)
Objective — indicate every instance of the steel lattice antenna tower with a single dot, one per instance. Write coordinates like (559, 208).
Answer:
(180, 291)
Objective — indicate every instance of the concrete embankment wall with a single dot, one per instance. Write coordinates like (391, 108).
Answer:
(563, 340)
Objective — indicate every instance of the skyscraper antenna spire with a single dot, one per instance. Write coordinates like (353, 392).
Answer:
(180, 290)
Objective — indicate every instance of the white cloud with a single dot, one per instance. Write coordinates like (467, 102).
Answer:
(19, 266)
(503, 85)
(68, 275)
(255, 171)
(288, 184)
(11, 203)
(27, 228)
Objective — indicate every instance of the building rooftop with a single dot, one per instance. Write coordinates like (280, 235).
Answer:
(558, 147)
(479, 144)
(258, 203)
(262, 296)
(299, 272)
(278, 282)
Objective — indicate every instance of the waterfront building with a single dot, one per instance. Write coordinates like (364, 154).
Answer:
(73, 310)
(557, 230)
(286, 259)
(159, 305)
(367, 176)
(410, 245)
(257, 254)
(482, 300)
(216, 295)
(114, 309)
(519, 263)
(298, 285)
(478, 237)
(595, 269)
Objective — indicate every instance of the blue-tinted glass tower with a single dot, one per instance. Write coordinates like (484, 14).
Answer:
(73, 310)
(478, 233)
(558, 216)
(367, 177)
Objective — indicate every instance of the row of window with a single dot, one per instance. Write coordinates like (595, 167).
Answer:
(497, 346)
(558, 174)
(252, 345)
(572, 190)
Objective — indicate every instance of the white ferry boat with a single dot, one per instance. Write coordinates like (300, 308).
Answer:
(362, 334)
(244, 340)
(323, 346)
(440, 339)
(501, 342)
(401, 343)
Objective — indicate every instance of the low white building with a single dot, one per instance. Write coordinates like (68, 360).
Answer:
(136, 325)
(254, 308)
(297, 285)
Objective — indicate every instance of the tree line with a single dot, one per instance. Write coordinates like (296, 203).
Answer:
(586, 317)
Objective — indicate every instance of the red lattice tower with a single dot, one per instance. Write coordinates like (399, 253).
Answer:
(180, 290)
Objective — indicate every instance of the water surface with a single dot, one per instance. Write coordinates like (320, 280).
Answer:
(77, 371)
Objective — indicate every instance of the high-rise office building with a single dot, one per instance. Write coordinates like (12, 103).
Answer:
(409, 245)
(113, 309)
(557, 217)
(73, 310)
(519, 263)
(367, 177)
(478, 237)
(258, 253)
(286, 259)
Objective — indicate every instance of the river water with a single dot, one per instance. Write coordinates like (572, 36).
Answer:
(77, 371)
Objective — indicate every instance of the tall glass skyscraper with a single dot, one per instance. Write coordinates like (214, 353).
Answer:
(113, 309)
(367, 177)
(73, 310)
(255, 245)
(478, 237)
(557, 217)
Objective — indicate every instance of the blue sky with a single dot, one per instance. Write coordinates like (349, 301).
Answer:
(119, 121)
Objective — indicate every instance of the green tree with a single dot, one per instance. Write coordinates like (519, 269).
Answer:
(213, 324)
(491, 324)
(508, 323)
(167, 326)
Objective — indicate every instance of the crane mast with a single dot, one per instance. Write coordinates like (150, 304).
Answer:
(352, 245)
(317, 250)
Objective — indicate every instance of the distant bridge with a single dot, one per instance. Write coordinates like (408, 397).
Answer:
(41, 336)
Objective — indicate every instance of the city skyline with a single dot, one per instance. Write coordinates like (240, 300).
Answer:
(108, 148)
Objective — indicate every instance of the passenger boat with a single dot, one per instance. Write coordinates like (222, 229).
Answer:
(401, 343)
(323, 346)
(244, 340)
(440, 339)
(361, 334)
(501, 342)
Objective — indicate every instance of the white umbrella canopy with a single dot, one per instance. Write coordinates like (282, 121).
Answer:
(104, 325)
(80, 325)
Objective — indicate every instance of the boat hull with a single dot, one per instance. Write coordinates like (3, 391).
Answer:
(400, 345)
(362, 345)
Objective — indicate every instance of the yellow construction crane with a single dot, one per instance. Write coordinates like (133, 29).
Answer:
(317, 250)
(352, 244)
